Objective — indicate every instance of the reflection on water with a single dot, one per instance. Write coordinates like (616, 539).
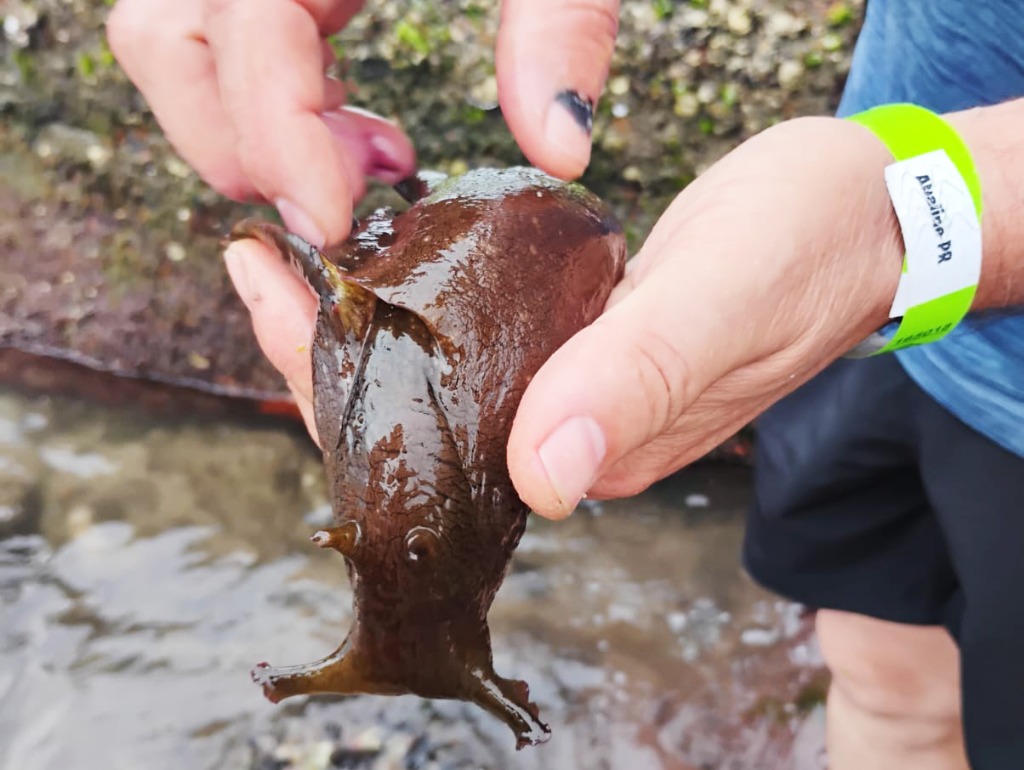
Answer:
(145, 566)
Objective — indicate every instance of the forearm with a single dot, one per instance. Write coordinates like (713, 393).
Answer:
(995, 136)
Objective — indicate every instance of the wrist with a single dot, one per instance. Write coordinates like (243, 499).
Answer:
(995, 137)
(832, 198)
(878, 241)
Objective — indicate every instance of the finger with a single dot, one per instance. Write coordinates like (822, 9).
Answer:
(623, 288)
(305, 407)
(331, 15)
(285, 147)
(335, 94)
(552, 61)
(699, 430)
(726, 406)
(283, 311)
(172, 67)
(387, 153)
(620, 383)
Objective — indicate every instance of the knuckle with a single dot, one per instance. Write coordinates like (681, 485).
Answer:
(622, 483)
(329, 15)
(257, 159)
(600, 19)
(662, 373)
(234, 188)
(228, 179)
(221, 18)
(635, 472)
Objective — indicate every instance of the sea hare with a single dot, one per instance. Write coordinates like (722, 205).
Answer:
(431, 324)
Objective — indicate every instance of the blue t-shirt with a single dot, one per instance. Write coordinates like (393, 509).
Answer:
(948, 55)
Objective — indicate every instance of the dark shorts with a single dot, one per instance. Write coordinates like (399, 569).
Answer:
(871, 498)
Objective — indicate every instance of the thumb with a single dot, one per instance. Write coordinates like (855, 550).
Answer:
(552, 61)
(614, 387)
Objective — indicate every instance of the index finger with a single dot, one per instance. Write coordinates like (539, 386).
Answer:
(269, 69)
(552, 61)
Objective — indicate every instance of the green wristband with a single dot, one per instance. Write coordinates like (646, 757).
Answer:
(949, 255)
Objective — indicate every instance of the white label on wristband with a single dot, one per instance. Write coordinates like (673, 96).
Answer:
(940, 228)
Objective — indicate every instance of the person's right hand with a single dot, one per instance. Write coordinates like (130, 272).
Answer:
(240, 91)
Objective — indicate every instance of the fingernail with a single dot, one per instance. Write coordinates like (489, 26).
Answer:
(238, 271)
(300, 223)
(571, 457)
(569, 123)
(579, 107)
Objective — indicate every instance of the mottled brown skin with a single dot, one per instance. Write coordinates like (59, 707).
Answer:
(431, 324)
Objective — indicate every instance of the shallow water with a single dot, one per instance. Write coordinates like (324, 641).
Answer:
(146, 565)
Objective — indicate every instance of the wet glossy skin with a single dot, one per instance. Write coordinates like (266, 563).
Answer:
(431, 324)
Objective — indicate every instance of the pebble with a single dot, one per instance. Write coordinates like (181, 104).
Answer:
(695, 18)
(79, 519)
(784, 24)
(198, 361)
(632, 174)
(177, 167)
(687, 105)
(175, 251)
(677, 622)
(99, 156)
(707, 92)
(791, 74)
(759, 637)
(832, 42)
(19, 472)
(618, 86)
(739, 22)
(484, 95)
